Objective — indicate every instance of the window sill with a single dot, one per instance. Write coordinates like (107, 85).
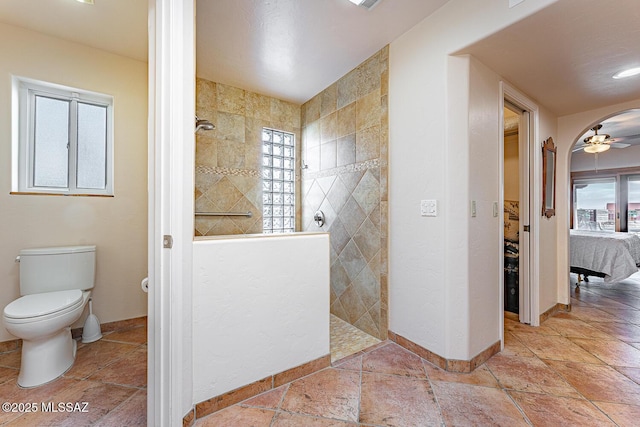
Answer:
(24, 193)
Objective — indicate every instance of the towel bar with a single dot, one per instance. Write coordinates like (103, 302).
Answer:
(248, 214)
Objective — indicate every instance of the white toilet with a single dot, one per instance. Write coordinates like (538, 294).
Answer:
(55, 284)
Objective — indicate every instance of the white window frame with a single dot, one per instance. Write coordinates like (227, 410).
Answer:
(23, 106)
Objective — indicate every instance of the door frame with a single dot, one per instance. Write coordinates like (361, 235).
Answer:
(170, 180)
(529, 298)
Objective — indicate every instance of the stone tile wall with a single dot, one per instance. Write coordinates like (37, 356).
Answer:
(343, 145)
(228, 158)
(344, 148)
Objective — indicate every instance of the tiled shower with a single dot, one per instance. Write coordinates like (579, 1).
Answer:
(342, 138)
(344, 146)
(228, 172)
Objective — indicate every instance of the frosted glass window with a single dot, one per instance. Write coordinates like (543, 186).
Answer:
(92, 146)
(278, 186)
(65, 140)
(51, 142)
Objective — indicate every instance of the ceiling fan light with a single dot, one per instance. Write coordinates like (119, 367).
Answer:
(596, 148)
(627, 73)
(598, 139)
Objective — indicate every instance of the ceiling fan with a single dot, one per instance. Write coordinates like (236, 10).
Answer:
(598, 143)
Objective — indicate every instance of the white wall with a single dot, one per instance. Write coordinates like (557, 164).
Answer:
(549, 280)
(484, 188)
(570, 128)
(117, 225)
(434, 126)
(261, 306)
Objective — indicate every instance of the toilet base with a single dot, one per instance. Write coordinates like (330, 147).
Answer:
(46, 359)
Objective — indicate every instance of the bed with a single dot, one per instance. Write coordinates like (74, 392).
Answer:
(612, 256)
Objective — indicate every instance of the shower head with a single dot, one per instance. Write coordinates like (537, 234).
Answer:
(204, 124)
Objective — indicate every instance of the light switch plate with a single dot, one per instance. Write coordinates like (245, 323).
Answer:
(429, 207)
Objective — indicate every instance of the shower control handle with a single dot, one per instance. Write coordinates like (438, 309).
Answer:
(318, 217)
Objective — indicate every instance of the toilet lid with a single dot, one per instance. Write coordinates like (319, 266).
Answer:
(35, 305)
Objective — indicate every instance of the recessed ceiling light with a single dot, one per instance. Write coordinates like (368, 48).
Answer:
(85, 1)
(627, 73)
(365, 3)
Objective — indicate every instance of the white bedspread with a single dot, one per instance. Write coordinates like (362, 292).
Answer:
(617, 255)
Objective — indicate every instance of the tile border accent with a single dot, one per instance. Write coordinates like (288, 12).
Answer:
(189, 419)
(353, 167)
(214, 170)
(553, 310)
(232, 397)
(450, 365)
(427, 355)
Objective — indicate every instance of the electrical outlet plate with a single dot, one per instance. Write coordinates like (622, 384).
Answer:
(473, 209)
(428, 207)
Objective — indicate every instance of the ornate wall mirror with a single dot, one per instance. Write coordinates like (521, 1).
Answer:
(548, 178)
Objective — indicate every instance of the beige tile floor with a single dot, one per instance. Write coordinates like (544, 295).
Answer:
(578, 369)
(109, 374)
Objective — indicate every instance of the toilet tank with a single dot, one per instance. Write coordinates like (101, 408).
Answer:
(57, 269)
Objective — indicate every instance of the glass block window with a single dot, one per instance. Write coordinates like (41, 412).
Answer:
(278, 177)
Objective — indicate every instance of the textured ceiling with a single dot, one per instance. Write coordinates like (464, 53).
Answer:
(294, 49)
(564, 56)
(118, 26)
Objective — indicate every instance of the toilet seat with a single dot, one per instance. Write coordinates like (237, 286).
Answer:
(36, 307)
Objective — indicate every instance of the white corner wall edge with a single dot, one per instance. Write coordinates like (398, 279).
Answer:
(261, 306)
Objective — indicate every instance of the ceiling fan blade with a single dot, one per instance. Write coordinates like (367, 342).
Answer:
(619, 145)
(626, 138)
(578, 147)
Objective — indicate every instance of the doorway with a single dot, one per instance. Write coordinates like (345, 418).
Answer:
(511, 196)
(519, 190)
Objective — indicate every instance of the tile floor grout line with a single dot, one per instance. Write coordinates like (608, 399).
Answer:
(114, 408)
(560, 376)
(435, 396)
(524, 391)
(518, 407)
(574, 388)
